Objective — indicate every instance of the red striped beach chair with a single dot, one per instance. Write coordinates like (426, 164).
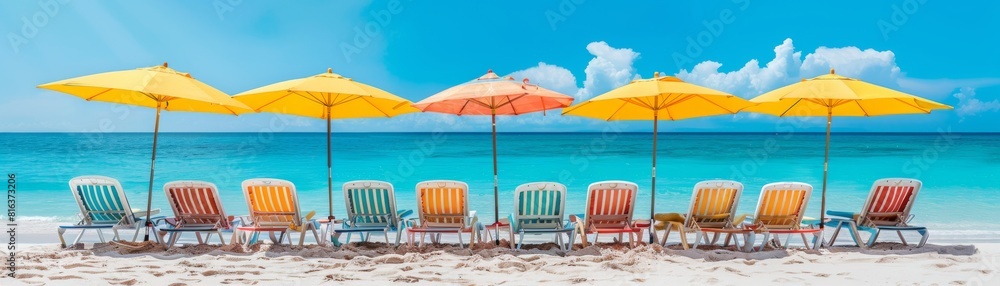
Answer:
(887, 208)
(610, 205)
(197, 208)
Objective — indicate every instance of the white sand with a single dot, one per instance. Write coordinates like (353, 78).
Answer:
(374, 264)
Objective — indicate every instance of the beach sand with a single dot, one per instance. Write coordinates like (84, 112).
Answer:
(376, 264)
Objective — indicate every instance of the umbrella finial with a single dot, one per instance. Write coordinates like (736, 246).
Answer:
(164, 64)
(489, 71)
(525, 81)
(831, 70)
(656, 74)
(329, 70)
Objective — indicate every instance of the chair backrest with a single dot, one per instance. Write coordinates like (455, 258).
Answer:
(782, 205)
(713, 203)
(102, 200)
(540, 205)
(889, 202)
(196, 203)
(610, 204)
(370, 203)
(443, 203)
(272, 202)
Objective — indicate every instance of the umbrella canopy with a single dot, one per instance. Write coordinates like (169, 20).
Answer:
(834, 95)
(326, 96)
(493, 95)
(158, 87)
(658, 98)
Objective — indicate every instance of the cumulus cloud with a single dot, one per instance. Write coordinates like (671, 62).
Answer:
(788, 66)
(609, 68)
(969, 105)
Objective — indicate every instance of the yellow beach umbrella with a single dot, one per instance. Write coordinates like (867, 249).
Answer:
(326, 96)
(834, 95)
(658, 98)
(157, 87)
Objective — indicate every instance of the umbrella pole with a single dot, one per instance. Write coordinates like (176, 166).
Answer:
(496, 182)
(826, 164)
(152, 164)
(652, 200)
(329, 167)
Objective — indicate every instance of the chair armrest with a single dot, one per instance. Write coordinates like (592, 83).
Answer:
(402, 214)
(577, 217)
(512, 222)
(413, 222)
(841, 214)
(473, 218)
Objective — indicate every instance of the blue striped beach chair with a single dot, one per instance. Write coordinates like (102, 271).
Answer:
(540, 209)
(103, 205)
(371, 207)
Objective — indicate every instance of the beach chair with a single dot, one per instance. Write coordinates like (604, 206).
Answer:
(713, 208)
(780, 210)
(609, 209)
(274, 207)
(371, 207)
(443, 207)
(887, 208)
(103, 205)
(539, 208)
(197, 208)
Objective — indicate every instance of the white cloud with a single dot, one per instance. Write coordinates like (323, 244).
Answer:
(549, 76)
(969, 105)
(610, 68)
(788, 66)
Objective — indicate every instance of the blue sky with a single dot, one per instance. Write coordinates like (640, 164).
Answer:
(937, 50)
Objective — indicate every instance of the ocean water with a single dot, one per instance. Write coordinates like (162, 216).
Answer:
(961, 172)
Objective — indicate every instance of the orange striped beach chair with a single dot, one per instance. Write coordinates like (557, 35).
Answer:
(274, 208)
(197, 208)
(609, 209)
(887, 208)
(443, 207)
(712, 210)
(780, 210)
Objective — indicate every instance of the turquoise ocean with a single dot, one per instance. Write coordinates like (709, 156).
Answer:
(960, 171)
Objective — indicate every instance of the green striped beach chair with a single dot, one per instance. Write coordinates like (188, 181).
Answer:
(371, 207)
(103, 205)
(539, 209)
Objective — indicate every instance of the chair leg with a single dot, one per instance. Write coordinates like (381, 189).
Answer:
(836, 231)
(62, 241)
(198, 235)
(520, 240)
(900, 233)
(221, 239)
(302, 236)
(684, 240)
(871, 241)
(923, 237)
(666, 233)
(715, 238)
(79, 236)
(100, 234)
(697, 239)
(804, 240)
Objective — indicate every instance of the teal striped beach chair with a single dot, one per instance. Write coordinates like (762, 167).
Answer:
(539, 209)
(371, 207)
(103, 205)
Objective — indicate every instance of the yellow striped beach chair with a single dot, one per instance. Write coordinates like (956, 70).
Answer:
(274, 208)
(780, 210)
(712, 209)
(443, 207)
